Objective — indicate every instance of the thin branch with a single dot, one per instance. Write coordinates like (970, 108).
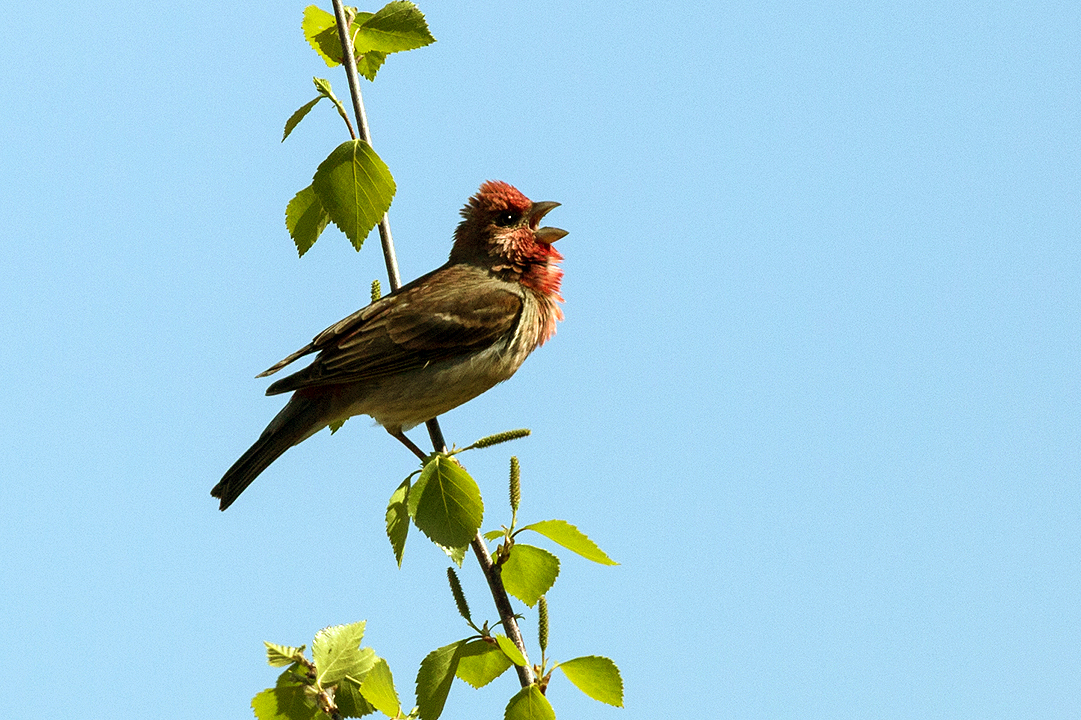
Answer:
(350, 64)
(480, 548)
(502, 605)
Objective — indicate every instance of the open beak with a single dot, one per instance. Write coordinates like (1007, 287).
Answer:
(546, 235)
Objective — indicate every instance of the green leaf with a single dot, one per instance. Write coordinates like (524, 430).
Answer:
(336, 426)
(322, 86)
(398, 520)
(596, 676)
(480, 663)
(529, 704)
(369, 63)
(435, 677)
(348, 698)
(508, 648)
(337, 653)
(355, 187)
(296, 117)
(570, 537)
(396, 27)
(289, 699)
(305, 219)
(315, 25)
(456, 554)
(445, 503)
(493, 534)
(281, 655)
(529, 572)
(378, 689)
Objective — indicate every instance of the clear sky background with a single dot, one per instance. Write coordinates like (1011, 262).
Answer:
(818, 388)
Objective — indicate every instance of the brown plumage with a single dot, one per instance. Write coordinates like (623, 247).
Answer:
(432, 345)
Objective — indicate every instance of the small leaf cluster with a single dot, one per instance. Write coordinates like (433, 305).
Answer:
(352, 187)
(341, 680)
(480, 659)
(397, 27)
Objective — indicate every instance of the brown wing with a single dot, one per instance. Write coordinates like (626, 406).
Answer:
(447, 313)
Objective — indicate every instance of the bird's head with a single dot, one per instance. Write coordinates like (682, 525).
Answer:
(500, 230)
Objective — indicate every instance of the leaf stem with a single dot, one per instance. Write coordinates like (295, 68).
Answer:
(480, 548)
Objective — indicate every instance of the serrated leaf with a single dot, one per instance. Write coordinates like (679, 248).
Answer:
(570, 537)
(480, 663)
(529, 704)
(289, 699)
(349, 700)
(398, 26)
(315, 24)
(305, 219)
(297, 116)
(369, 63)
(435, 677)
(337, 653)
(398, 520)
(281, 655)
(529, 572)
(355, 187)
(596, 676)
(322, 86)
(493, 534)
(378, 689)
(456, 554)
(445, 503)
(508, 648)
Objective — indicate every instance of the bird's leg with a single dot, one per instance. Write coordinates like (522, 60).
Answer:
(400, 436)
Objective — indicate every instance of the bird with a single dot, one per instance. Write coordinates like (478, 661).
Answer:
(433, 344)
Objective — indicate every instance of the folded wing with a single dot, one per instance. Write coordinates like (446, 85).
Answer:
(448, 313)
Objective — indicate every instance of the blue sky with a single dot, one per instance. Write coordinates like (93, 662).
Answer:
(817, 388)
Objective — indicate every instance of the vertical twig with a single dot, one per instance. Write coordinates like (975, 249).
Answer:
(480, 548)
(502, 605)
(350, 65)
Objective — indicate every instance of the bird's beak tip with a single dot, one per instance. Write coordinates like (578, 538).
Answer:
(548, 235)
(540, 209)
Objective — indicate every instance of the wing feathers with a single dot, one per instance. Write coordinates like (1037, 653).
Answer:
(445, 314)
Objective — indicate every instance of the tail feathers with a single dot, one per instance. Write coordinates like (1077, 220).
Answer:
(299, 419)
(309, 348)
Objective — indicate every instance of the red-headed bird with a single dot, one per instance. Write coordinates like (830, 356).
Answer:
(432, 345)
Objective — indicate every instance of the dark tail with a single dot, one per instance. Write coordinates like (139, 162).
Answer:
(300, 418)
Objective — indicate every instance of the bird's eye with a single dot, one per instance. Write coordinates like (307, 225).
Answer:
(506, 218)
